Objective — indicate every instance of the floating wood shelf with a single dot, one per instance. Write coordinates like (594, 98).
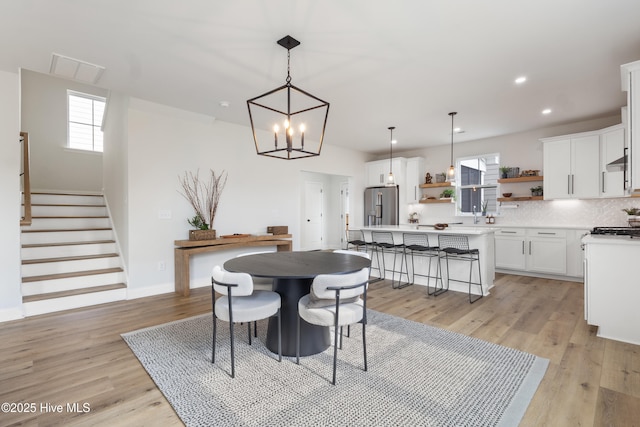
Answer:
(519, 199)
(449, 200)
(437, 184)
(520, 179)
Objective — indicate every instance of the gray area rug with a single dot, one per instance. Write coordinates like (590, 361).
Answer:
(418, 376)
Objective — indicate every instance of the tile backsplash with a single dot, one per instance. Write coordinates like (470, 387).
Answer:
(573, 213)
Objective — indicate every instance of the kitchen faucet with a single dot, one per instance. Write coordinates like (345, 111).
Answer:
(475, 215)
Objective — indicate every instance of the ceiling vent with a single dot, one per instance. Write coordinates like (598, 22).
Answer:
(63, 66)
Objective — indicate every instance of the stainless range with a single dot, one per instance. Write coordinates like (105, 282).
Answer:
(617, 231)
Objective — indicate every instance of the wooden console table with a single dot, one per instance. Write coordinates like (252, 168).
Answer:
(185, 248)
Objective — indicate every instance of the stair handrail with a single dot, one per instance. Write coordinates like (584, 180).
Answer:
(26, 180)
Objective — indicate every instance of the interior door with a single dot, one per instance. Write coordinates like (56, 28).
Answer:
(312, 230)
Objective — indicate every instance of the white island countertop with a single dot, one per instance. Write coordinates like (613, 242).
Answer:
(460, 229)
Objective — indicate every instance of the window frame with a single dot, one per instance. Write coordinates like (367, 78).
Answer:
(493, 205)
(94, 125)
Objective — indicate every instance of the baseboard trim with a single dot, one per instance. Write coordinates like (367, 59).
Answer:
(149, 291)
(9, 314)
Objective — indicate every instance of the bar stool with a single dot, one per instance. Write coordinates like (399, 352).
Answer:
(355, 240)
(417, 244)
(383, 243)
(457, 247)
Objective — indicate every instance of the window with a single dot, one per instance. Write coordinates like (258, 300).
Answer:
(478, 183)
(84, 121)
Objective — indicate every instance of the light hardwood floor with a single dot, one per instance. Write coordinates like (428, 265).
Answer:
(79, 357)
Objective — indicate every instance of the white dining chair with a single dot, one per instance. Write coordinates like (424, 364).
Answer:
(239, 302)
(356, 253)
(335, 300)
(259, 283)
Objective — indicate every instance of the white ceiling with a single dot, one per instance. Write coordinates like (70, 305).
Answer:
(405, 63)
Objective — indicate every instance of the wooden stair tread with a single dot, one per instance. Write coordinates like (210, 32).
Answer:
(54, 230)
(82, 291)
(51, 193)
(71, 274)
(68, 258)
(89, 242)
(67, 205)
(69, 216)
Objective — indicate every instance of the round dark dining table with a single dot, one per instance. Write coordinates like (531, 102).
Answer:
(292, 274)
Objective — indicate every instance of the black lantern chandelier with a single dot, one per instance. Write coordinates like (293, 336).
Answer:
(287, 122)
(451, 175)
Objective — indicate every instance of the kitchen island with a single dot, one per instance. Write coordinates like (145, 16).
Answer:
(481, 238)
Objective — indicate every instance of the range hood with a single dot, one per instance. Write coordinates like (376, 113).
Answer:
(617, 165)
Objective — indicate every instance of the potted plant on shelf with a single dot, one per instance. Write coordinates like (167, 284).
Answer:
(633, 216)
(504, 171)
(447, 193)
(483, 206)
(204, 197)
(536, 191)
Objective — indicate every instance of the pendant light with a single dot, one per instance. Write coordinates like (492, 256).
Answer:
(451, 175)
(288, 122)
(391, 181)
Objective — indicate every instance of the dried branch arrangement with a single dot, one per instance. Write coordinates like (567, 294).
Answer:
(203, 196)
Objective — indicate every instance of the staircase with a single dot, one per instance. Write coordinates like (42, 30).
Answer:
(69, 255)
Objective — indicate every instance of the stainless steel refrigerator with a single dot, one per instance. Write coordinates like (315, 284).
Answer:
(381, 205)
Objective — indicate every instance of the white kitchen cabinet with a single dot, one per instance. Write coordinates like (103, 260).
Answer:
(547, 251)
(611, 286)
(532, 250)
(415, 177)
(631, 84)
(376, 172)
(612, 148)
(510, 249)
(571, 166)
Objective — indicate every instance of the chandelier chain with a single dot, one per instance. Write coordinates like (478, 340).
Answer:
(288, 66)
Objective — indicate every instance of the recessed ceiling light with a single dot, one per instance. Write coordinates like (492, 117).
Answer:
(546, 111)
(224, 104)
(521, 80)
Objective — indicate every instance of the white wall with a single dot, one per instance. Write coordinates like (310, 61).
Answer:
(115, 161)
(44, 116)
(10, 293)
(163, 143)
